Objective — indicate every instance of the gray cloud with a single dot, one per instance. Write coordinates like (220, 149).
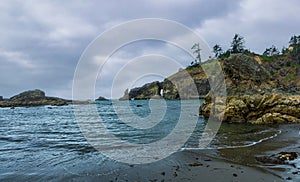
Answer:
(42, 41)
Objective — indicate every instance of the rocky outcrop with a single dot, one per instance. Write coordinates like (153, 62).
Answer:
(101, 99)
(148, 91)
(191, 83)
(280, 158)
(256, 93)
(244, 75)
(184, 80)
(32, 98)
(125, 96)
(255, 109)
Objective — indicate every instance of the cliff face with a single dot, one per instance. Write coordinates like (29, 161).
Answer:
(148, 91)
(265, 92)
(244, 75)
(32, 98)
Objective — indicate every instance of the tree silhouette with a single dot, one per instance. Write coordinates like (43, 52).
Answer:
(237, 44)
(197, 50)
(217, 49)
(271, 51)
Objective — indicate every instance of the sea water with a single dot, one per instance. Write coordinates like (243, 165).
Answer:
(47, 141)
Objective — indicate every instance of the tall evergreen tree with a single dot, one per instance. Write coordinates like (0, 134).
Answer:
(217, 49)
(197, 50)
(237, 44)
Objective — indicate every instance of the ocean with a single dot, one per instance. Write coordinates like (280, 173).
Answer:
(51, 142)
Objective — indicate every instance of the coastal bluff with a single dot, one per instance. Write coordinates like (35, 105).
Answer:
(257, 91)
(32, 98)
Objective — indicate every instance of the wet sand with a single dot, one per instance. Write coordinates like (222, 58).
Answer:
(234, 164)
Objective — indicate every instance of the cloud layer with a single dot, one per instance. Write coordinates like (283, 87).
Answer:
(42, 41)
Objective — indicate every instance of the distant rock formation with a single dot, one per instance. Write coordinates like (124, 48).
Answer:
(32, 98)
(101, 99)
(125, 96)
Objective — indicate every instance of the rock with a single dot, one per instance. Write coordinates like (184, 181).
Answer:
(170, 91)
(32, 98)
(195, 164)
(244, 75)
(125, 96)
(280, 158)
(287, 156)
(32, 95)
(147, 91)
(1, 98)
(157, 97)
(101, 99)
(256, 109)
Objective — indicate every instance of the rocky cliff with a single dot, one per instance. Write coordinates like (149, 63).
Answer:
(260, 89)
(32, 98)
(148, 91)
(259, 92)
(244, 74)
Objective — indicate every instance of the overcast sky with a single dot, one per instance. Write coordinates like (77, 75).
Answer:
(42, 41)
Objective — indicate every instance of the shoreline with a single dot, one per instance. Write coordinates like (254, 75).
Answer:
(231, 164)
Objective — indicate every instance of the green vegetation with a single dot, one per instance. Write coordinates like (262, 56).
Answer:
(271, 51)
(217, 49)
(237, 44)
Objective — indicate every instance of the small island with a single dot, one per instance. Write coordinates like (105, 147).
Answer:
(101, 99)
(32, 98)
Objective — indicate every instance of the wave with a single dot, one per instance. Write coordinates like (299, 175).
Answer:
(233, 147)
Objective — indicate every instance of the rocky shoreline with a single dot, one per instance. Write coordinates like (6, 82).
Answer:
(254, 109)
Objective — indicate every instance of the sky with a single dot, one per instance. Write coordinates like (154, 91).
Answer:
(41, 42)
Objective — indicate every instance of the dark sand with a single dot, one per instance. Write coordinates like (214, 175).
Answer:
(235, 164)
